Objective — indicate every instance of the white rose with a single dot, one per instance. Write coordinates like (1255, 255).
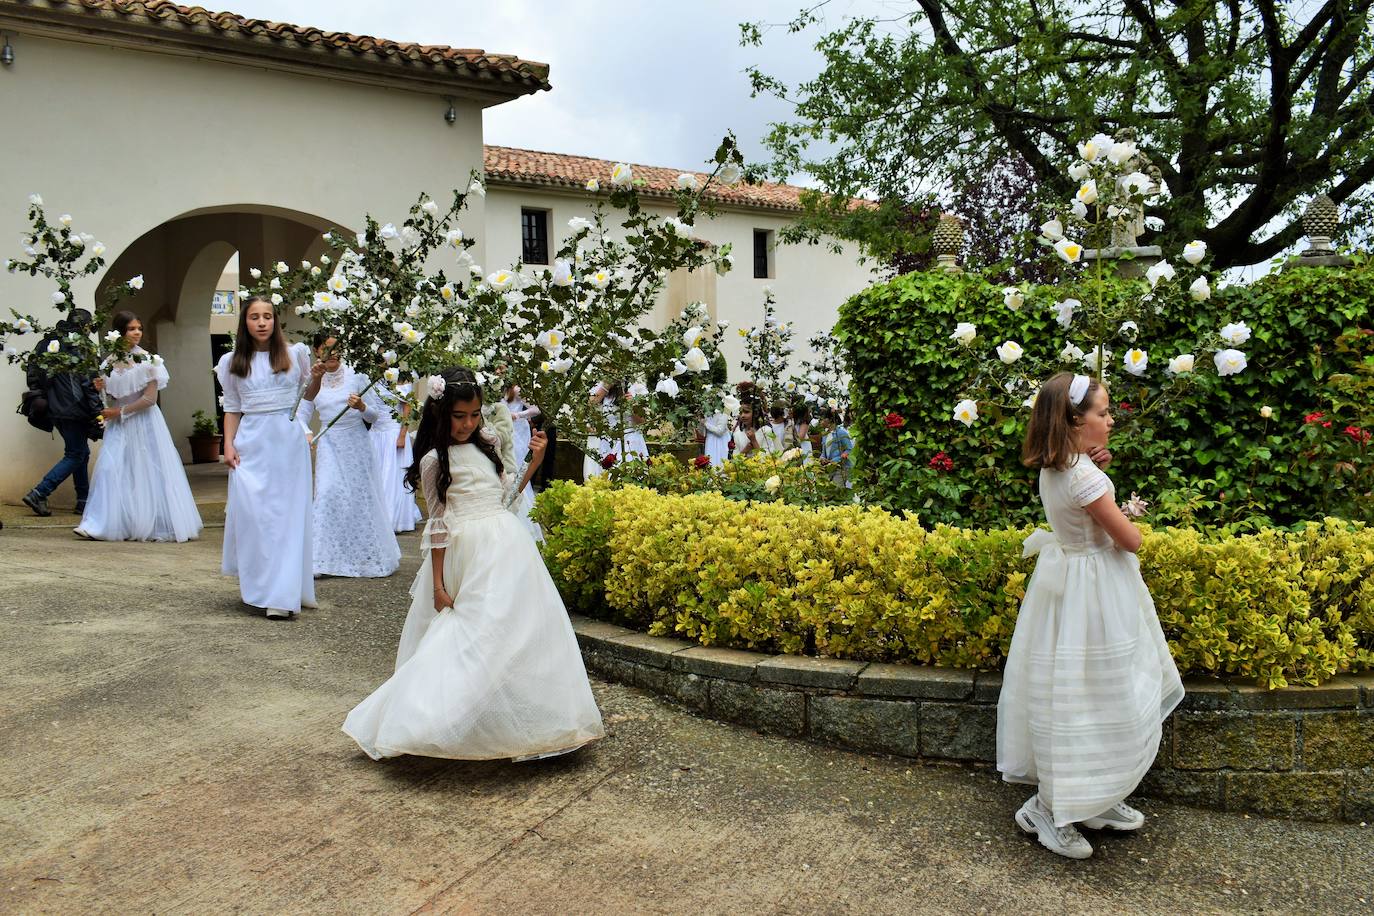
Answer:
(276, 299)
(687, 182)
(324, 300)
(53, 346)
(501, 281)
(97, 249)
(561, 274)
(282, 268)
(1181, 364)
(579, 223)
(454, 238)
(446, 292)
(429, 206)
(1229, 362)
(561, 366)
(392, 375)
(1080, 209)
(1087, 192)
(389, 357)
(1135, 361)
(1136, 184)
(729, 174)
(23, 326)
(1128, 330)
(1154, 223)
(255, 273)
(315, 271)
(1200, 291)
(1236, 334)
(696, 361)
(111, 336)
(679, 368)
(1266, 411)
(667, 386)
(1013, 298)
(58, 297)
(678, 227)
(966, 412)
(136, 282)
(1121, 151)
(1161, 271)
(964, 333)
(302, 310)
(1195, 251)
(1052, 230)
(637, 389)
(772, 483)
(622, 175)
(78, 241)
(1079, 170)
(593, 185)
(477, 188)
(692, 337)
(600, 279)
(65, 219)
(338, 283)
(389, 232)
(1064, 311)
(1069, 251)
(35, 200)
(275, 284)
(1009, 352)
(551, 340)
(1097, 358)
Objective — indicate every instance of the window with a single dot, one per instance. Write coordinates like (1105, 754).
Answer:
(534, 236)
(763, 254)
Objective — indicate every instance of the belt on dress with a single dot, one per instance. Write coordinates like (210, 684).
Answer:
(1053, 566)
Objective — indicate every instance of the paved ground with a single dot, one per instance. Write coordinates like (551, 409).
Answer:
(164, 750)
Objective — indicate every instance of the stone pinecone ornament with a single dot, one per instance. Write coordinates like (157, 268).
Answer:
(1320, 218)
(949, 235)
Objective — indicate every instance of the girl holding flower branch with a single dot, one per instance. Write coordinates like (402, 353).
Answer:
(139, 490)
(488, 665)
(267, 524)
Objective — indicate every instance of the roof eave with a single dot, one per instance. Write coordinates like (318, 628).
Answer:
(572, 187)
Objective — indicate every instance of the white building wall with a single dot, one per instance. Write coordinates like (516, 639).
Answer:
(126, 140)
(810, 282)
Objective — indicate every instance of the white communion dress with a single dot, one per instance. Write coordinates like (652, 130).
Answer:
(353, 530)
(139, 490)
(267, 519)
(392, 461)
(1089, 678)
(717, 447)
(632, 443)
(498, 675)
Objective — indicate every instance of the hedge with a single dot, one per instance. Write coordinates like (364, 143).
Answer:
(862, 583)
(1211, 457)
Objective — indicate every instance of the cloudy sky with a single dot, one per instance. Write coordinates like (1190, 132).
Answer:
(650, 82)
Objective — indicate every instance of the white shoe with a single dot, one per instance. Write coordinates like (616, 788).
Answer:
(277, 613)
(1035, 818)
(1119, 816)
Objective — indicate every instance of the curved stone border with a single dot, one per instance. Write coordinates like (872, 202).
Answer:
(1302, 752)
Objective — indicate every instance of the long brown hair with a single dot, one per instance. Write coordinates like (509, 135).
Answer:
(244, 347)
(1051, 436)
(435, 432)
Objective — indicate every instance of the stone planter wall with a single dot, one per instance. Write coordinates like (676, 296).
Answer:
(1303, 752)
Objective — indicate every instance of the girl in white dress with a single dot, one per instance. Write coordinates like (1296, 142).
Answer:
(522, 412)
(488, 666)
(353, 533)
(717, 446)
(627, 447)
(391, 445)
(1089, 678)
(267, 519)
(139, 490)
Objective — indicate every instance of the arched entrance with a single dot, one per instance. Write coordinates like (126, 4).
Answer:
(182, 262)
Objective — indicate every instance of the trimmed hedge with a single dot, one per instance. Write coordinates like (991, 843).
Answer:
(862, 583)
(1210, 456)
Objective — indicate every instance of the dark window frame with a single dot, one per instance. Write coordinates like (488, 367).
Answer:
(763, 254)
(534, 236)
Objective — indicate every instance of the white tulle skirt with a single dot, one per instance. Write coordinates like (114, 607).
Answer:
(392, 462)
(139, 490)
(1088, 682)
(498, 675)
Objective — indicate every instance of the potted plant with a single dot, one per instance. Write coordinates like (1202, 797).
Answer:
(204, 438)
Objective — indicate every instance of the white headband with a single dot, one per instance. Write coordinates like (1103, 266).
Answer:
(1078, 389)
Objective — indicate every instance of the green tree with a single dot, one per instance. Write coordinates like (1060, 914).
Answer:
(1247, 107)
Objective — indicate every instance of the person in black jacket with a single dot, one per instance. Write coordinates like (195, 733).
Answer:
(73, 403)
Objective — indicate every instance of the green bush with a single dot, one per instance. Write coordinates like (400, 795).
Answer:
(859, 582)
(1209, 457)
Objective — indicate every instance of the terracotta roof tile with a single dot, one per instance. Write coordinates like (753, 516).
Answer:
(440, 59)
(531, 167)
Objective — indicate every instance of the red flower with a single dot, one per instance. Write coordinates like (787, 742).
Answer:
(1313, 417)
(894, 421)
(702, 461)
(609, 461)
(1359, 435)
(1125, 405)
(942, 462)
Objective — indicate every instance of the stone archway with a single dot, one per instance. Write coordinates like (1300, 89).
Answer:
(181, 262)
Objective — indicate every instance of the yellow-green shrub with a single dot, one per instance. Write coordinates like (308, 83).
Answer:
(862, 583)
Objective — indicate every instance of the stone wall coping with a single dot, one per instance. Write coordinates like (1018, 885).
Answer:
(894, 680)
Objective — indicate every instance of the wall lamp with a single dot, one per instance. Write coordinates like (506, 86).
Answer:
(449, 116)
(7, 53)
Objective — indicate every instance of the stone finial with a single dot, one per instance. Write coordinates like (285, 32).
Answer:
(947, 241)
(1319, 222)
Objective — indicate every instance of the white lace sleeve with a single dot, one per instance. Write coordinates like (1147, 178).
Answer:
(717, 424)
(230, 383)
(146, 400)
(300, 356)
(1087, 482)
(373, 406)
(436, 530)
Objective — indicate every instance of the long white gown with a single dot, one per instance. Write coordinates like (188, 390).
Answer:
(267, 520)
(632, 443)
(392, 461)
(498, 675)
(717, 447)
(139, 490)
(353, 531)
(1089, 678)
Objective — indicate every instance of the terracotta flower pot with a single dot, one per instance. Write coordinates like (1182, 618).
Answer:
(204, 449)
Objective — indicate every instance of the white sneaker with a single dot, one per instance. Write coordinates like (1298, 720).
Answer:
(277, 613)
(1119, 816)
(1035, 818)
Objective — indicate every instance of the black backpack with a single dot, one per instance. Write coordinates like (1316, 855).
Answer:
(33, 405)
